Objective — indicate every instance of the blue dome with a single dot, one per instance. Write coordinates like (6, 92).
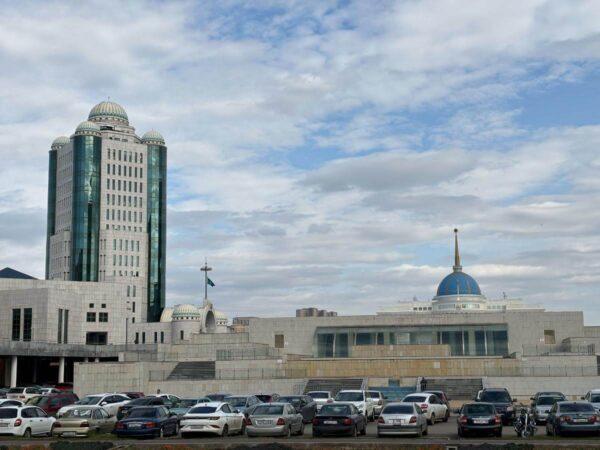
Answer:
(458, 283)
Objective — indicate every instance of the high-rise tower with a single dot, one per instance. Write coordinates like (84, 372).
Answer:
(107, 208)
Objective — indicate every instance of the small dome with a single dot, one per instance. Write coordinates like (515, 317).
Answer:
(220, 315)
(153, 137)
(87, 127)
(60, 141)
(167, 315)
(186, 312)
(458, 283)
(108, 111)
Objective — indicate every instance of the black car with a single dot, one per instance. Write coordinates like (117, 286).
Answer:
(148, 421)
(339, 418)
(572, 417)
(479, 418)
(501, 400)
(143, 401)
(268, 398)
(303, 404)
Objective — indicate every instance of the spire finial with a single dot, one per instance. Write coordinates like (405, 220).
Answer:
(457, 267)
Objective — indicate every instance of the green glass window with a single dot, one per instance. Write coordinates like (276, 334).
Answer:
(27, 319)
(51, 218)
(16, 324)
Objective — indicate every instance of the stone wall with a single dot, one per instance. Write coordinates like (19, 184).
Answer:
(386, 351)
(525, 387)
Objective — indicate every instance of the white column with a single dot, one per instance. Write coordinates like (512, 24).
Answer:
(97, 360)
(13, 371)
(61, 369)
(86, 359)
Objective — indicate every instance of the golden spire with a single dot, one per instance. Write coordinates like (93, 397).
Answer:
(457, 267)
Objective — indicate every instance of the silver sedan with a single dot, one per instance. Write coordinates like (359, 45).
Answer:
(274, 419)
(400, 419)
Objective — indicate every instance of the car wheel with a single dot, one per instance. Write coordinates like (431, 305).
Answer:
(432, 419)
(161, 433)
(176, 430)
(301, 432)
(27, 433)
(225, 431)
(446, 416)
(243, 429)
(425, 430)
(364, 430)
(498, 433)
(184, 435)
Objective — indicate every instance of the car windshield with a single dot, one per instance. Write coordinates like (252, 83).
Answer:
(264, 397)
(595, 398)
(548, 400)
(15, 390)
(78, 412)
(236, 401)
(335, 410)
(349, 397)
(143, 412)
(415, 399)
(189, 402)
(202, 410)
(268, 410)
(373, 394)
(495, 397)
(398, 409)
(576, 407)
(8, 413)
(38, 401)
(472, 410)
(314, 395)
(89, 400)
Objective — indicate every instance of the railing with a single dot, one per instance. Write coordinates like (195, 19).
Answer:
(239, 374)
(55, 349)
(542, 371)
(247, 353)
(550, 349)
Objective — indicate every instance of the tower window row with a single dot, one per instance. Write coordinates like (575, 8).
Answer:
(127, 186)
(124, 155)
(123, 216)
(127, 200)
(127, 171)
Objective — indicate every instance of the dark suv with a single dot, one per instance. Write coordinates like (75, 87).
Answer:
(136, 402)
(53, 402)
(501, 400)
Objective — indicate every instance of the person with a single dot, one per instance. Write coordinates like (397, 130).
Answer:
(158, 392)
(423, 384)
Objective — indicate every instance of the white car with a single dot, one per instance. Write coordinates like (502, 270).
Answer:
(23, 393)
(360, 399)
(431, 405)
(4, 402)
(320, 398)
(110, 402)
(214, 417)
(170, 400)
(593, 397)
(25, 421)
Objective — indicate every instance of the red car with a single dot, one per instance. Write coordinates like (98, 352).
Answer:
(52, 403)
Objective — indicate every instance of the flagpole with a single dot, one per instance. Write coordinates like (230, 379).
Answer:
(205, 269)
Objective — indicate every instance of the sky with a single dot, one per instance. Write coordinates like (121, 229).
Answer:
(320, 153)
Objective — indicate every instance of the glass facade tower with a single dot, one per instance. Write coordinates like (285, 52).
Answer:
(51, 205)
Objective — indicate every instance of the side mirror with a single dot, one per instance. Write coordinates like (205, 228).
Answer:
(236, 411)
(103, 404)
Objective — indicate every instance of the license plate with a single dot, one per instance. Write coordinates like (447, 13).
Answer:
(197, 427)
(69, 434)
(330, 422)
(3, 425)
(480, 421)
(263, 422)
(397, 421)
(580, 420)
(134, 426)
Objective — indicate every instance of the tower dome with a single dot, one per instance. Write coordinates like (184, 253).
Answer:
(60, 141)
(186, 312)
(87, 127)
(109, 111)
(153, 137)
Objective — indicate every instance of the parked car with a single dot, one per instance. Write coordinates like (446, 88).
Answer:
(339, 418)
(110, 402)
(274, 419)
(303, 404)
(218, 396)
(360, 399)
(542, 405)
(443, 397)
(149, 421)
(171, 401)
(242, 402)
(501, 400)
(214, 417)
(378, 400)
(572, 417)
(479, 418)
(25, 421)
(124, 409)
(401, 418)
(133, 395)
(593, 397)
(186, 403)
(545, 394)
(430, 404)
(23, 393)
(320, 397)
(4, 402)
(268, 398)
(49, 391)
(64, 386)
(52, 403)
(83, 421)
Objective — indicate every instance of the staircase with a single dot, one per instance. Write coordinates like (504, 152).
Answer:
(333, 385)
(193, 370)
(456, 388)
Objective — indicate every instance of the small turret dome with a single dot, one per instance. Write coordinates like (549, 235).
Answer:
(186, 312)
(60, 141)
(167, 315)
(153, 137)
(87, 127)
(110, 111)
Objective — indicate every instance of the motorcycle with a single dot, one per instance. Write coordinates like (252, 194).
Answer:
(525, 424)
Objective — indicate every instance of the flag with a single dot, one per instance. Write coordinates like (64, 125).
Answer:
(210, 282)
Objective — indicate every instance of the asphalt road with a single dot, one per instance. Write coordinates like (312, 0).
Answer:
(440, 433)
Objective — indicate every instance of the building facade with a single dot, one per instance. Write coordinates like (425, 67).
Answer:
(107, 209)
